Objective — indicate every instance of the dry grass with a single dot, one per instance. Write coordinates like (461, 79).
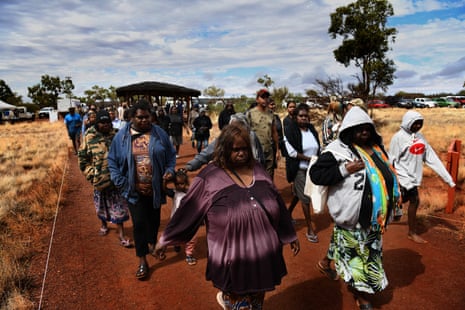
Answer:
(32, 158)
(33, 155)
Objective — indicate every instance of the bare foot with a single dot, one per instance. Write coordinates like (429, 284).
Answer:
(416, 238)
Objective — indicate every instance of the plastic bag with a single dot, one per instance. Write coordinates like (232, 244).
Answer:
(318, 193)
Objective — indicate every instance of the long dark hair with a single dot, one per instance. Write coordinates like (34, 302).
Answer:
(224, 146)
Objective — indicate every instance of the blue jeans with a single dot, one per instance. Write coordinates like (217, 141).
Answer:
(203, 143)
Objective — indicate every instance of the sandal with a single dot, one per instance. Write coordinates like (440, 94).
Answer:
(153, 251)
(142, 271)
(327, 271)
(191, 260)
(162, 256)
(103, 231)
(125, 243)
(312, 238)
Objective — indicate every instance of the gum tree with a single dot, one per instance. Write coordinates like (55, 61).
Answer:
(365, 43)
(47, 91)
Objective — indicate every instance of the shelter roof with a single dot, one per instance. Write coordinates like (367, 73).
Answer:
(156, 89)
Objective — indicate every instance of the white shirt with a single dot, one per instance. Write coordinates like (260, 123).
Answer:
(309, 147)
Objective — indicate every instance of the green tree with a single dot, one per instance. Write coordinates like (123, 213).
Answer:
(266, 81)
(112, 93)
(7, 95)
(366, 39)
(213, 91)
(311, 93)
(279, 95)
(67, 87)
(46, 92)
(98, 93)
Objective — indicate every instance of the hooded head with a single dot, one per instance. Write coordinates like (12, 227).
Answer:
(409, 118)
(354, 117)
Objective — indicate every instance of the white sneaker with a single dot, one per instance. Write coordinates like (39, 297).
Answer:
(177, 156)
(219, 299)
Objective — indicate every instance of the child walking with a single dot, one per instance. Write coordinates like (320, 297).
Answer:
(181, 184)
(409, 150)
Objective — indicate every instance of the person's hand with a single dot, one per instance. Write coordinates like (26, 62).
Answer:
(354, 166)
(167, 176)
(295, 247)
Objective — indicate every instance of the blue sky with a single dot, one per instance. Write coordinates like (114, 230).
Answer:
(229, 44)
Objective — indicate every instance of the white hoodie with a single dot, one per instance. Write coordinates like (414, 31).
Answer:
(408, 151)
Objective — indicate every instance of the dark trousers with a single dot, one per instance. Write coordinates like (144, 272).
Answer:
(145, 222)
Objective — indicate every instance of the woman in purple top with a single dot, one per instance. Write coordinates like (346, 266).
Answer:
(246, 221)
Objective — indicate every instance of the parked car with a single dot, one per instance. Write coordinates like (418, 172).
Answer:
(426, 102)
(22, 114)
(419, 105)
(459, 99)
(45, 112)
(377, 103)
(445, 102)
(405, 103)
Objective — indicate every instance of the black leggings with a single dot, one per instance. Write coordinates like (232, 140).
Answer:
(145, 222)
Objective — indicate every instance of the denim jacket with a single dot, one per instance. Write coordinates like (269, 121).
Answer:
(122, 166)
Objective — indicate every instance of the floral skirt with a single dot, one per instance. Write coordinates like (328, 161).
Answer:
(110, 206)
(358, 257)
(253, 301)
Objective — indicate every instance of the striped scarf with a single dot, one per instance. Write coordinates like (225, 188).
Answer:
(380, 195)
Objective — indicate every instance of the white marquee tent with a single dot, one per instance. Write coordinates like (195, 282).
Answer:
(6, 106)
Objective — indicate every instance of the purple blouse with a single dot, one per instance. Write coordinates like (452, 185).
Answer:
(244, 243)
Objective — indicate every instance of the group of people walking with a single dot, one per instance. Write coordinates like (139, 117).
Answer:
(234, 196)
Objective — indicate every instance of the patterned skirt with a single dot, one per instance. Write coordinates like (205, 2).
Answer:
(110, 206)
(253, 301)
(358, 257)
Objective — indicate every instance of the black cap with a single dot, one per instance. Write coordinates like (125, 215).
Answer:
(103, 116)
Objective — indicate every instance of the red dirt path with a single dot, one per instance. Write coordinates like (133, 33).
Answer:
(87, 271)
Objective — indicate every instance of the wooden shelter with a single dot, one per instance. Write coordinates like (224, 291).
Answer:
(151, 91)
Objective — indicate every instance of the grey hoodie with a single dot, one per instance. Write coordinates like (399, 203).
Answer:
(345, 197)
(408, 151)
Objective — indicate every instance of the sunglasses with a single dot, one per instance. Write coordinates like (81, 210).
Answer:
(141, 117)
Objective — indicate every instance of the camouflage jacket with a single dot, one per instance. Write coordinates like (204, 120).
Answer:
(93, 155)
